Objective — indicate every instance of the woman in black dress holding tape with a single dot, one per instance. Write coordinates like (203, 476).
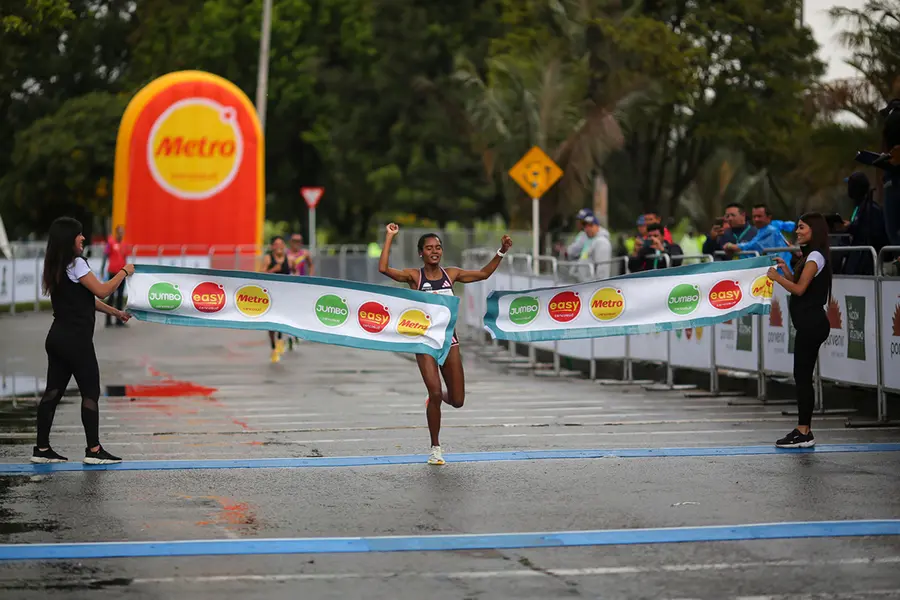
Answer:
(810, 287)
(75, 293)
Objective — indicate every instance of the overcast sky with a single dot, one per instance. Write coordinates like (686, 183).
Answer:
(830, 51)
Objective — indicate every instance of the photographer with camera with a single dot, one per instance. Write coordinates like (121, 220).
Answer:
(732, 229)
(866, 226)
(650, 256)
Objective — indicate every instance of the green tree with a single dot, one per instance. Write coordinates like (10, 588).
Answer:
(749, 66)
(63, 164)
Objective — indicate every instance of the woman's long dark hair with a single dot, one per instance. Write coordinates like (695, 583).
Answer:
(819, 241)
(60, 251)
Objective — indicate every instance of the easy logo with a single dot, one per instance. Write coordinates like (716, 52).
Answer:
(564, 307)
(164, 296)
(607, 304)
(684, 299)
(373, 317)
(523, 310)
(413, 323)
(208, 297)
(725, 295)
(331, 310)
(252, 301)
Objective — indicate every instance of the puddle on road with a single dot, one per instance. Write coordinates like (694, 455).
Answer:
(10, 521)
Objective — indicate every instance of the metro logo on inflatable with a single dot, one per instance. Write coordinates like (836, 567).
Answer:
(725, 294)
(189, 166)
(564, 307)
(373, 317)
(195, 168)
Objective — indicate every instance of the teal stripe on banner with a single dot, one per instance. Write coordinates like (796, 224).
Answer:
(440, 355)
(492, 312)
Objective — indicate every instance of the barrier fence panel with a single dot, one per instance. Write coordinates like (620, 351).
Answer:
(850, 353)
(778, 335)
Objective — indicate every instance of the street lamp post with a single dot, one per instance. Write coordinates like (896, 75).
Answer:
(262, 81)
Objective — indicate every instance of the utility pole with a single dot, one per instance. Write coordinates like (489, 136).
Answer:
(262, 81)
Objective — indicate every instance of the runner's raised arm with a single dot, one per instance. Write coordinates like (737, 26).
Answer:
(463, 276)
(407, 276)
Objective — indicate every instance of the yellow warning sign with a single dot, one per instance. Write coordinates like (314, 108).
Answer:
(535, 172)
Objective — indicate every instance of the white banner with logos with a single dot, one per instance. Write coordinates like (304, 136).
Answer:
(654, 301)
(329, 311)
(849, 353)
(890, 333)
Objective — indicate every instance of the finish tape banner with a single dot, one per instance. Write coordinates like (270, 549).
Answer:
(328, 311)
(647, 302)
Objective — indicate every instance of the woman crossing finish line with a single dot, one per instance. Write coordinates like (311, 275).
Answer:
(433, 278)
(277, 261)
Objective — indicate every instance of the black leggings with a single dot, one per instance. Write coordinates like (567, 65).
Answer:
(68, 355)
(811, 334)
(117, 299)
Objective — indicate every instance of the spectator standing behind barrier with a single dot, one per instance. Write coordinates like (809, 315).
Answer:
(733, 231)
(652, 218)
(651, 254)
(866, 226)
(890, 134)
(691, 243)
(114, 256)
(597, 249)
(769, 234)
(634, 244)
(575, 249)
(810, 286)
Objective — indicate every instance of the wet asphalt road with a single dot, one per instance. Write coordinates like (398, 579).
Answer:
(228, 402)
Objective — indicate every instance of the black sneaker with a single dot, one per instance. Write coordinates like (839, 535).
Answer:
(795, 439)
(100, 457)
(46, 456)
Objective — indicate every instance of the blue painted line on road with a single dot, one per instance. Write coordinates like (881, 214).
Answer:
(406, 459)
(557, 539)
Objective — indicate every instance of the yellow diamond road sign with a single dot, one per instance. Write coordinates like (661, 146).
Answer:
(536, 172)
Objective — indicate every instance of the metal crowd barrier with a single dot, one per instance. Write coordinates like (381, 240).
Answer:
(20, 275)
(759, 347)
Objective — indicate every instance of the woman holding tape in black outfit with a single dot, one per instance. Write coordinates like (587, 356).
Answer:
(76, 294)
(810, 287)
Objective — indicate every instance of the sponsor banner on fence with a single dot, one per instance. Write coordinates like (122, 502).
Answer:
(692, 347)
(329, 311)
(736, 344)
(653, 301)
(778, 335)
(890, 333)
(849, 352)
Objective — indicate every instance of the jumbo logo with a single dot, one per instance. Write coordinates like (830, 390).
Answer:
(252, 301)
(413, 323)
(564, 307)
(725, 294)
(523, 310)
(373, 317)
(607, 304)
(164, 296)
(189, 165)
(762, 287)
(208, 297)
(331, 310)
